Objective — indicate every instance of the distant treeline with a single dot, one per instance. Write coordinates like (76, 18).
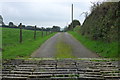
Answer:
(11, 25)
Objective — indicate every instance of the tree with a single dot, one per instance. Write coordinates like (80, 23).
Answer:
(11, 24)
(48, 29)
(85, 13)
(1, 21)
(23, 26)
(65, 28)
(56, 28)
(75, 23)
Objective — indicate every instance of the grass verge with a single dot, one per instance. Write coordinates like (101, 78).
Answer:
(108, 50)
(13, 49)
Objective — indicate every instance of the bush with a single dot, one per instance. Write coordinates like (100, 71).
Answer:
(102, 24)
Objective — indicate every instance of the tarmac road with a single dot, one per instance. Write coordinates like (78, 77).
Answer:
(48, 49)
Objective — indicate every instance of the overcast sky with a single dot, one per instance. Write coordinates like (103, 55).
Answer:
(43, 13)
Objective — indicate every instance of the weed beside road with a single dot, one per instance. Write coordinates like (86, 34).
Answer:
(64, 50)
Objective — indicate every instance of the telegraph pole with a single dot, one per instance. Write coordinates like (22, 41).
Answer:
(72, 16)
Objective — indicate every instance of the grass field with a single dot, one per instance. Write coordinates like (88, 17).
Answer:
(13, 49)
(109, 50)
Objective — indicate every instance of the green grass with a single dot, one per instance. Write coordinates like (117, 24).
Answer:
(109, 50)
(13, 49)
(63, 50)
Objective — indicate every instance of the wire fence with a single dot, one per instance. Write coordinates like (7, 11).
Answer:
(13, 36)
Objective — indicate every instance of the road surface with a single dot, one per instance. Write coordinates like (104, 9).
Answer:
(48, 49)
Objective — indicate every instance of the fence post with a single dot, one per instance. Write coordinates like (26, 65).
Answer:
(46, 33)
(42, 31)
(35, 32)
(20, 32)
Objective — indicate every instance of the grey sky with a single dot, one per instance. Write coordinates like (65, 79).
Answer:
(43, 13)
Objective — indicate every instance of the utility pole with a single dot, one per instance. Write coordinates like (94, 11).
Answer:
(72, 16)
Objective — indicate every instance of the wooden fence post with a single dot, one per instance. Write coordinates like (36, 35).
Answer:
(35, 32)
(20, 32)
(46, 33)
(42, 32)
